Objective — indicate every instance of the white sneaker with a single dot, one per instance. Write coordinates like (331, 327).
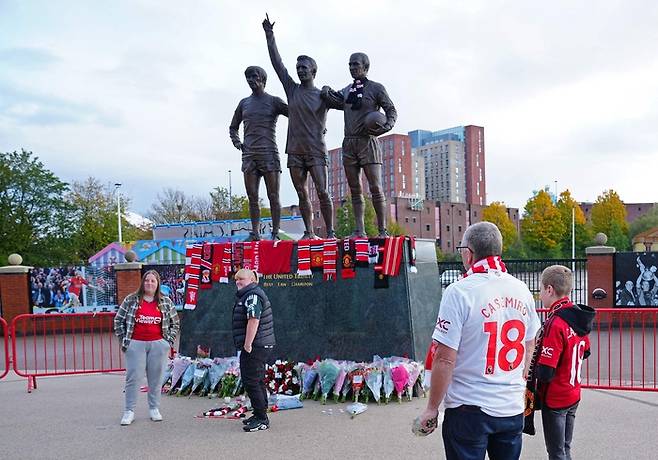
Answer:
(155, 415)
(128, 417)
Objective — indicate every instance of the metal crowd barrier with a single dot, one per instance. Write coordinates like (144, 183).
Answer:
(624, 347)
(624, 352)
(64, 344)
(5, 341)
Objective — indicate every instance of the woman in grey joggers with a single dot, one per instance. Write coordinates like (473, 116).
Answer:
(147, 325)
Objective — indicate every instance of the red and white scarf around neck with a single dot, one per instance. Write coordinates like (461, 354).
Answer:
(486, 264)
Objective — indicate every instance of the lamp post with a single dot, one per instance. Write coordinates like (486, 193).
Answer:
(117, 187)
(230, 196)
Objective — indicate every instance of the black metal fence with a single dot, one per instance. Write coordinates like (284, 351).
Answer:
(529, 271)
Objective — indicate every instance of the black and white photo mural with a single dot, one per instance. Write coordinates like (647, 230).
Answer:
(636, 279)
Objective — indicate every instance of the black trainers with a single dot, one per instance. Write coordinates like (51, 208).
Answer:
(248, 420)
(256, 425)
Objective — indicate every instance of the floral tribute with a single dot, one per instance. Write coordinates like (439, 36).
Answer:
(382, 380)
(281, 378)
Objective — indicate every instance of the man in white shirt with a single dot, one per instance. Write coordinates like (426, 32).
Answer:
(485, 336)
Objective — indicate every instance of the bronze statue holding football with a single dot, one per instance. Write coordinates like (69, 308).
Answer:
(360, 102)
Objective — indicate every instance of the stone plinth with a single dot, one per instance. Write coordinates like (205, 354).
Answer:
(342, 319)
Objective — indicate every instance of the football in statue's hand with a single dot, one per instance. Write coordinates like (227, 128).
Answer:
(374, 120)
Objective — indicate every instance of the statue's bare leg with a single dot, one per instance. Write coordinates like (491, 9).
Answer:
(319, 175)
(373, 173)
(272, 181)
(251, 185)
(299, 178)
(353, 174)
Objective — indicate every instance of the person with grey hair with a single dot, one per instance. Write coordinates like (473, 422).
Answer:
(258, 114)
(484, 337)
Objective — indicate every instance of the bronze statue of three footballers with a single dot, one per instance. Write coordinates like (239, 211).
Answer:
(307, 152)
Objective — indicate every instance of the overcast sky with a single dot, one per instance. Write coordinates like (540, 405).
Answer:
(142, 91)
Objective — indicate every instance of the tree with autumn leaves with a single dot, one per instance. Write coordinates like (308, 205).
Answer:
(542, 228)
(609, 217)
(496, 213)
(546, 225)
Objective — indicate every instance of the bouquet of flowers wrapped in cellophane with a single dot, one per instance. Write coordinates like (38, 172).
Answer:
(179, 366)
(358, 378)
(281, 378)
(308, 374)
(328, 371)
(340, 379)
(374, 378)
(200, 375)
(215, 374)
(230, 382)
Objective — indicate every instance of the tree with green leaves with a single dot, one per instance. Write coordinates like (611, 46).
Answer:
(93, 208)
(35, 219)
(542, 229)
(567, 205)
(496, 213)
(609, 217)
(345, 219)
(394, 228)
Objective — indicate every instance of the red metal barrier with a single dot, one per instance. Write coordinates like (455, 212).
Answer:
(63, 344)
(5, 340)
(624, 350)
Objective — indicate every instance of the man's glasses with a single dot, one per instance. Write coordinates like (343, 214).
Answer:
(459, 248)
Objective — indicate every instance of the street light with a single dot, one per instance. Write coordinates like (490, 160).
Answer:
(230, 196)
(117, 187)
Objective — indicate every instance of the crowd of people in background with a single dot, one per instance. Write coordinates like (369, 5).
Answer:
(60, 287)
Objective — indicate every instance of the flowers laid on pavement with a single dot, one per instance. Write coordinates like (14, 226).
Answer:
(320, 379)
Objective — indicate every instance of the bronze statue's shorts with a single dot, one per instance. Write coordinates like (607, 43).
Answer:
(361, 151)
(306, 161)
(260, 163)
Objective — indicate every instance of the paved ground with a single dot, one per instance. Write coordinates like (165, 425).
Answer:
(77, 417)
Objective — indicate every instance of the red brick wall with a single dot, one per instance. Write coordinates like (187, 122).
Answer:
(15, 295)
(127, 282)
(599, 275)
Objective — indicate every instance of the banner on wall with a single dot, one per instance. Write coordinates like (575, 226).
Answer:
(73, 289)
(636, 279)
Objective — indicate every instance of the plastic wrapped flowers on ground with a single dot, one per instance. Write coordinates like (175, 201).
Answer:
(285, 402)
(357, 377)
(400, 377)
(328, 371)
(229, 382)
(388, 380)
(414, 369)
(186, 380)
(200, 373)
(215, 374)
(374, 380)
(180, 365)
(356, 408)
(309, 375)
(340, 379)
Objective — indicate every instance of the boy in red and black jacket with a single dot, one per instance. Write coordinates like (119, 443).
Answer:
(564, 345)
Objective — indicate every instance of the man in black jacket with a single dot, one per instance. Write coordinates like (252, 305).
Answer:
(253, 335)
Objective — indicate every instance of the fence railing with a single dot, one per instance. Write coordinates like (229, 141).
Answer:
(529, 271)
(4, 330)
(63, 344)
(623, 341)
(623, 345)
